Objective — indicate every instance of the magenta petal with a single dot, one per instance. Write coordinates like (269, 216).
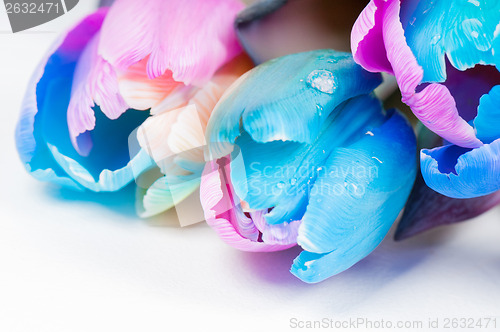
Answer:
(191, 38)
(427, 209)
(379, 26)
(367, 41)
(222, 214)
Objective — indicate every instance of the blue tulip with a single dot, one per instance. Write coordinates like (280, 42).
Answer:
(445, 56)
(303, 153)
(42, 134)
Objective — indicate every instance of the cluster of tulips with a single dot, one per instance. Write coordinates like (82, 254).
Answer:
(265, 115)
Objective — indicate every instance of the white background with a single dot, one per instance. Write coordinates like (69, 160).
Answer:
(73, 262)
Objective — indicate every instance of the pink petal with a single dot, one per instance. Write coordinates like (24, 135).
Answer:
(379, 26)
(94, 83)
(284, 234)
(142, 93)
(192, 38)
(221, 212)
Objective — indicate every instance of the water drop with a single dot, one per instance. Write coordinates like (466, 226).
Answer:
(322, 80)
(435, 39)
(319, 109)
(293, 181)
(280, 185)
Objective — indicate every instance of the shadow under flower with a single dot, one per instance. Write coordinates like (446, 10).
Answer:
(273, 267)
(121, 202)
(357, 285)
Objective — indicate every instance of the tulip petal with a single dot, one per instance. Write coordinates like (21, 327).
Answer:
(273, 28)
(309, 86)
(175, 139)
(283, 234)
(433, 105)
(221, 212)
(142, 93)
(281, 174)
(427, 209)
(191, 38)
(109, 166)
(164, 194)
(363, 189)
(367, 39)
(94, 83)
(343, 231)
(313, 267)
(45, 145)
(462, 173)
(467, 87)
(172, 131)
(464, 31)
(52, 78)
(487, 122)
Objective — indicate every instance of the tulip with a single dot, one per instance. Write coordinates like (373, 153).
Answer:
(302, 153)
(106, 76)
(444, 55)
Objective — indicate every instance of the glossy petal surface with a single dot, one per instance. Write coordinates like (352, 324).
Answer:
(463, 31)
(367, 184)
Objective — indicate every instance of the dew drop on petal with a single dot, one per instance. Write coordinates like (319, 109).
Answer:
(322, 80)
(320, 110)
(435, 39)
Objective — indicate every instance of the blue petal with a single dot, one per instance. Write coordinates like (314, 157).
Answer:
(107, 180)
(342, 230)
(463, 30)
(487, 122)
(49, 175)
(312, 267)
(56, 68)
(427, 209)
(281, 174)
(462, 173)
(296, 89)
(363, 189)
